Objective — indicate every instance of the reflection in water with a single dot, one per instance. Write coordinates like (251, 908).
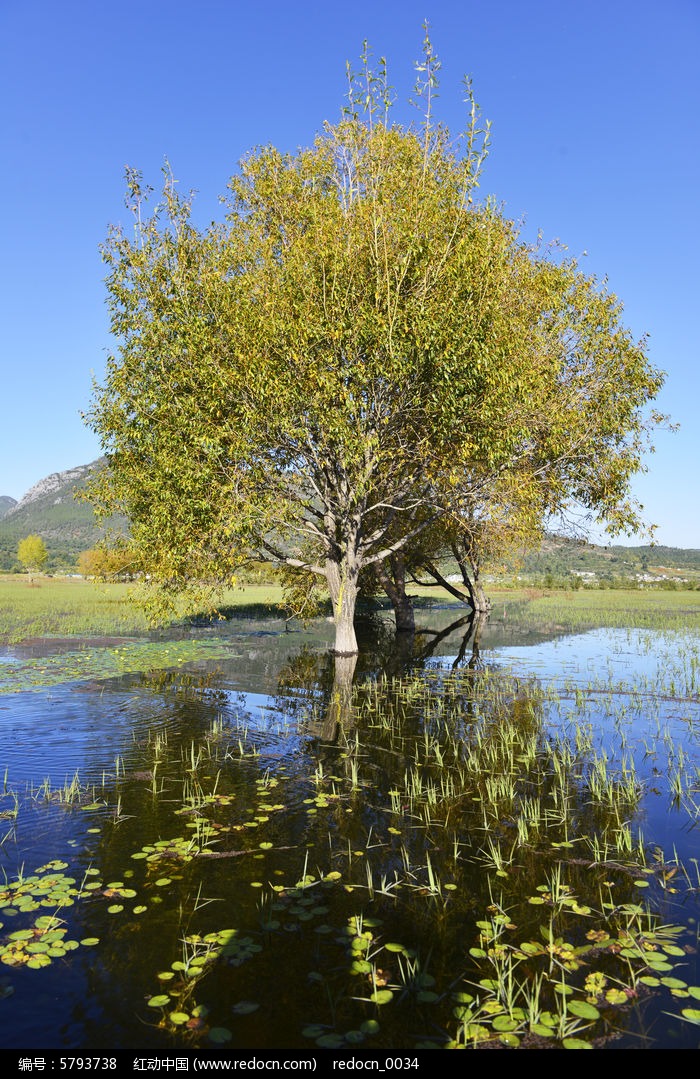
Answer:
(328, 678)
(315, 830)
(339, 717)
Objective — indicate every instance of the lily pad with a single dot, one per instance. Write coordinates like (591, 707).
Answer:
(504, 1023)
(245, 1007)
(38, 961)
(219, 1035)
(330, 1041)
(583, 1009)
(313, 1030)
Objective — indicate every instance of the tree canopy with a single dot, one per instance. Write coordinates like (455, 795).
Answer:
(32, 554)
(358, 354)
(108, 563)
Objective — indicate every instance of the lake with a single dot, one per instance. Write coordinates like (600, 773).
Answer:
(217, 836)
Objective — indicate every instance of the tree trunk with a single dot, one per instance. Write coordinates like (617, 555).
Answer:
(392, 577)
(404, 614)
(438, 579)
(342, 585)
(482, 604)
(470, 568)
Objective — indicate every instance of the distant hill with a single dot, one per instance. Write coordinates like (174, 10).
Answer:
(50, 510)
(562, 557)
(68, 527)
(6, 504)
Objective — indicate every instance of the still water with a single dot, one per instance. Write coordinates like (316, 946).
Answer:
(247, 850)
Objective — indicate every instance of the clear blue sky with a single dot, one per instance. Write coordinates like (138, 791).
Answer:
(594, 108)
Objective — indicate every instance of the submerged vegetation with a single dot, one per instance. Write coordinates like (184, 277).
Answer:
(499, 853)
(102, 662)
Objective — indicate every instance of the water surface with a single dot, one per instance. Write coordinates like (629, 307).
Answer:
(341, 849)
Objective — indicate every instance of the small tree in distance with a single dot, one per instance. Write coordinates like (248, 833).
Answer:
(104, 563)
(32, 554)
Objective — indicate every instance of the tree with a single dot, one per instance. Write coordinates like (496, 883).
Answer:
(478, 528)
(356, 351)
(578, 441)
(108, 563)
(32, 554)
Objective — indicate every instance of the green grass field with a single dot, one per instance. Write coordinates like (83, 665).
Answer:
(67, 607)
(644, 608)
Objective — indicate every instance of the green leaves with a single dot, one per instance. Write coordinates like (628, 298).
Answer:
(356, 355)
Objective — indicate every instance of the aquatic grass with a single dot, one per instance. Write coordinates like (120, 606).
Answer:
(536, 985)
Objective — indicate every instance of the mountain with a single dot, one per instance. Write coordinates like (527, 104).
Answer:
(68, 527)
(50, 510)
(564, 557)
(6, 504)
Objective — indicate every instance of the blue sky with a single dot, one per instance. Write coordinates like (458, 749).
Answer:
(594, 107)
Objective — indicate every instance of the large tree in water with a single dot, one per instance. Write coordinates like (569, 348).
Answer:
(308, 380)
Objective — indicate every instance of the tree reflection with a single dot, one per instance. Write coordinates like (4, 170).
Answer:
(317, 686)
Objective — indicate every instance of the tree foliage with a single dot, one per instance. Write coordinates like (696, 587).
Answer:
(358, 356)
(117, 563)
(32, 554)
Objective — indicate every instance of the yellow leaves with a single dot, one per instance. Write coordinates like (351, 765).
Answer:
(32, 553)
(358, 323)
